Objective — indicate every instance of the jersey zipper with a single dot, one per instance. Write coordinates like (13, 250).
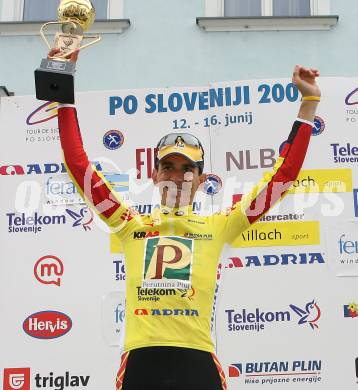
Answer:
(171, 224)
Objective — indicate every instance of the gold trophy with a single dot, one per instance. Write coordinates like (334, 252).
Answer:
(54, 79)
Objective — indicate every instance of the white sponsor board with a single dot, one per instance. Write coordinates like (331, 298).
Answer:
(281, 303)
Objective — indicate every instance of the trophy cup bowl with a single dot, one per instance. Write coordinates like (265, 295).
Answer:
(81, 12)
(54, 79)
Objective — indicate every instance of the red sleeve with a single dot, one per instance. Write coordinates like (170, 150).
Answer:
(275, 185)
(90, 183)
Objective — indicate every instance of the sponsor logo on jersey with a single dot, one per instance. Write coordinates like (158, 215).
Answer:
(167, 312)
(49, 270)
(351, 310)
(189, 294)
(47, 324)
(198, 221)
(149, 208)
(155, 294)
(198, 236)
(142, 235)
(168, 262)
(277, 372)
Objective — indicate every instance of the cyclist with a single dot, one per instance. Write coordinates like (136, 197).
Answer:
(167, 342)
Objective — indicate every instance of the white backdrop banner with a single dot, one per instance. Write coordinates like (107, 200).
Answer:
(287, 313)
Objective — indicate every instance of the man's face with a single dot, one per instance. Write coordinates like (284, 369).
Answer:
(178, 180)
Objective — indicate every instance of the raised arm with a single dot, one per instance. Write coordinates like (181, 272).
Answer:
(91, 184)
(273, 186)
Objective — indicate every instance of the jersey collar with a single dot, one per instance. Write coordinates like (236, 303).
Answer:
(177, 211)
(173, 211)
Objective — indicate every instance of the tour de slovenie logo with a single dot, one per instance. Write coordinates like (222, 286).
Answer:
(352, 98)
(43, 113)
(168, 262)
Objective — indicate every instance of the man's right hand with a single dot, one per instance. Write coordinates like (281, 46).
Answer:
(73, 57)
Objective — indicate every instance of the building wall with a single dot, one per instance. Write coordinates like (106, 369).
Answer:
(165, 47)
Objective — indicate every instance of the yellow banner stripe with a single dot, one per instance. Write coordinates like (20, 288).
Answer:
(280, 234)
(323, 180)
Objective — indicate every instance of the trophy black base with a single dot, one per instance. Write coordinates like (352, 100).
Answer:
(54, 81)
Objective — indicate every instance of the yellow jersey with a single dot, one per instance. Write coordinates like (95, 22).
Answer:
(172, 255)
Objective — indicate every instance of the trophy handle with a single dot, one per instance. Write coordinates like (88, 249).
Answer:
(51, 23)
(96, 38)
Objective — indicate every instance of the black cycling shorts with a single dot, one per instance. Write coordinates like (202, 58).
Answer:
(170, 368)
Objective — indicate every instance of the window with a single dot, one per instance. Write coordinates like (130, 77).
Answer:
(242, 8)
(39, 10)
(257, 8)
(291, 8)
(264, 15)
(35, 10)
(46, 10)
(245, 8)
